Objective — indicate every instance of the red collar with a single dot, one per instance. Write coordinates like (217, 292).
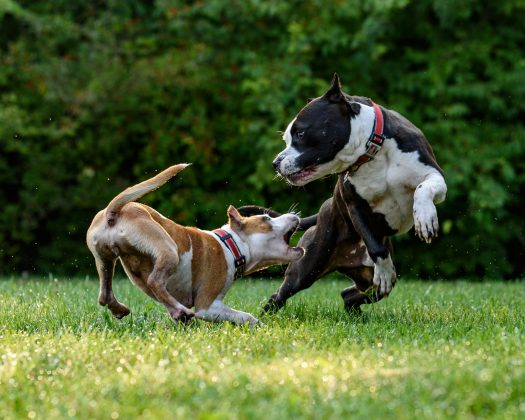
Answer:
(374, 142)
(239, 259)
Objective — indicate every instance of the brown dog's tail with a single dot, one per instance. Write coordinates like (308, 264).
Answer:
(135, 192)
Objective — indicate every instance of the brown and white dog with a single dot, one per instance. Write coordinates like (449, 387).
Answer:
(184, 267)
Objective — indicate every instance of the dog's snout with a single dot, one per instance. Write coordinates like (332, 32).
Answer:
(277, 162)
(292, 220)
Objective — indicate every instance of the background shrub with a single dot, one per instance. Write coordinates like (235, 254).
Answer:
(95, 96)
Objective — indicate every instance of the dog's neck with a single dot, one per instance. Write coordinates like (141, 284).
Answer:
(244, 249)
(254, 262)
(361, 127)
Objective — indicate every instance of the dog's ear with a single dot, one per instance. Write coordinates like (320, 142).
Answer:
(334, 94)
(353, 107)
(234, 218)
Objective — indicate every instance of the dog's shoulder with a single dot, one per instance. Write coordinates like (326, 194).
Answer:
(408, 137)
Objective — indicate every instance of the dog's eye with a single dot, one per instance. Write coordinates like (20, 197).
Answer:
(300, 134)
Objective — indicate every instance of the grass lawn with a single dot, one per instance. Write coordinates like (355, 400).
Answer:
(431, 350)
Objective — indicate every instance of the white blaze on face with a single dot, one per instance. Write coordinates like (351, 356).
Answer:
(288, 157)
(287, 136)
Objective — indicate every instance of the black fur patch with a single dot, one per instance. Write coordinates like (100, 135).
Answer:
(375, 221)
(320, 131)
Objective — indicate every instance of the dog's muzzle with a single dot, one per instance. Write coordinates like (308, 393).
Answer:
(277, 162)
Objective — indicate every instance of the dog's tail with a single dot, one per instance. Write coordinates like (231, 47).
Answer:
(304, 223)
(135, 192)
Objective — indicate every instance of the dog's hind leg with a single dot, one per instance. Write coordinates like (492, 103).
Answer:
(165, 266)
(105, 259)
(155, 246)
(105, 269)
(363, 291)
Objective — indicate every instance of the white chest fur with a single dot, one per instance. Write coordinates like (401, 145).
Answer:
(388, 183)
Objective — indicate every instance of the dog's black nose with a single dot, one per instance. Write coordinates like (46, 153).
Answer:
(277, 162)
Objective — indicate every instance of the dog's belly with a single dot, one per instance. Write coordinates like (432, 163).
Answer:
(179, 284)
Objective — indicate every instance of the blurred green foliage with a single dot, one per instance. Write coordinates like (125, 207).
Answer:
(95, 96)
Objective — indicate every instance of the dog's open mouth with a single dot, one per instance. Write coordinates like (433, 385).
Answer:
(288, 235)
(303, 173)
(292, 252)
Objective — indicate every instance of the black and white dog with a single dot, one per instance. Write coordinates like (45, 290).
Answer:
(388, 181)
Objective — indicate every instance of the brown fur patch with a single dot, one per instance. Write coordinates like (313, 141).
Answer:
(177, 232)
(134, 211)
(255, 224)
(347, 255)
(208, 266)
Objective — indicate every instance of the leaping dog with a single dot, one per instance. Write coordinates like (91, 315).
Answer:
(388, 181)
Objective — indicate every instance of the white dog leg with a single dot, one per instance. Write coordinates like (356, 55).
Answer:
(431, 191)
(218, 311)
(384, 275)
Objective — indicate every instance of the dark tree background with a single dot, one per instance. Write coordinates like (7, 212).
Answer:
(95, 96)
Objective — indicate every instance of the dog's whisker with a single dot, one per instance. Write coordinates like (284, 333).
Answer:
(293, 209)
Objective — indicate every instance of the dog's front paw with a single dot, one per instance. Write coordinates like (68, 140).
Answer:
(426, 221)
(384, 275)
(273, 304)
(254, 322)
